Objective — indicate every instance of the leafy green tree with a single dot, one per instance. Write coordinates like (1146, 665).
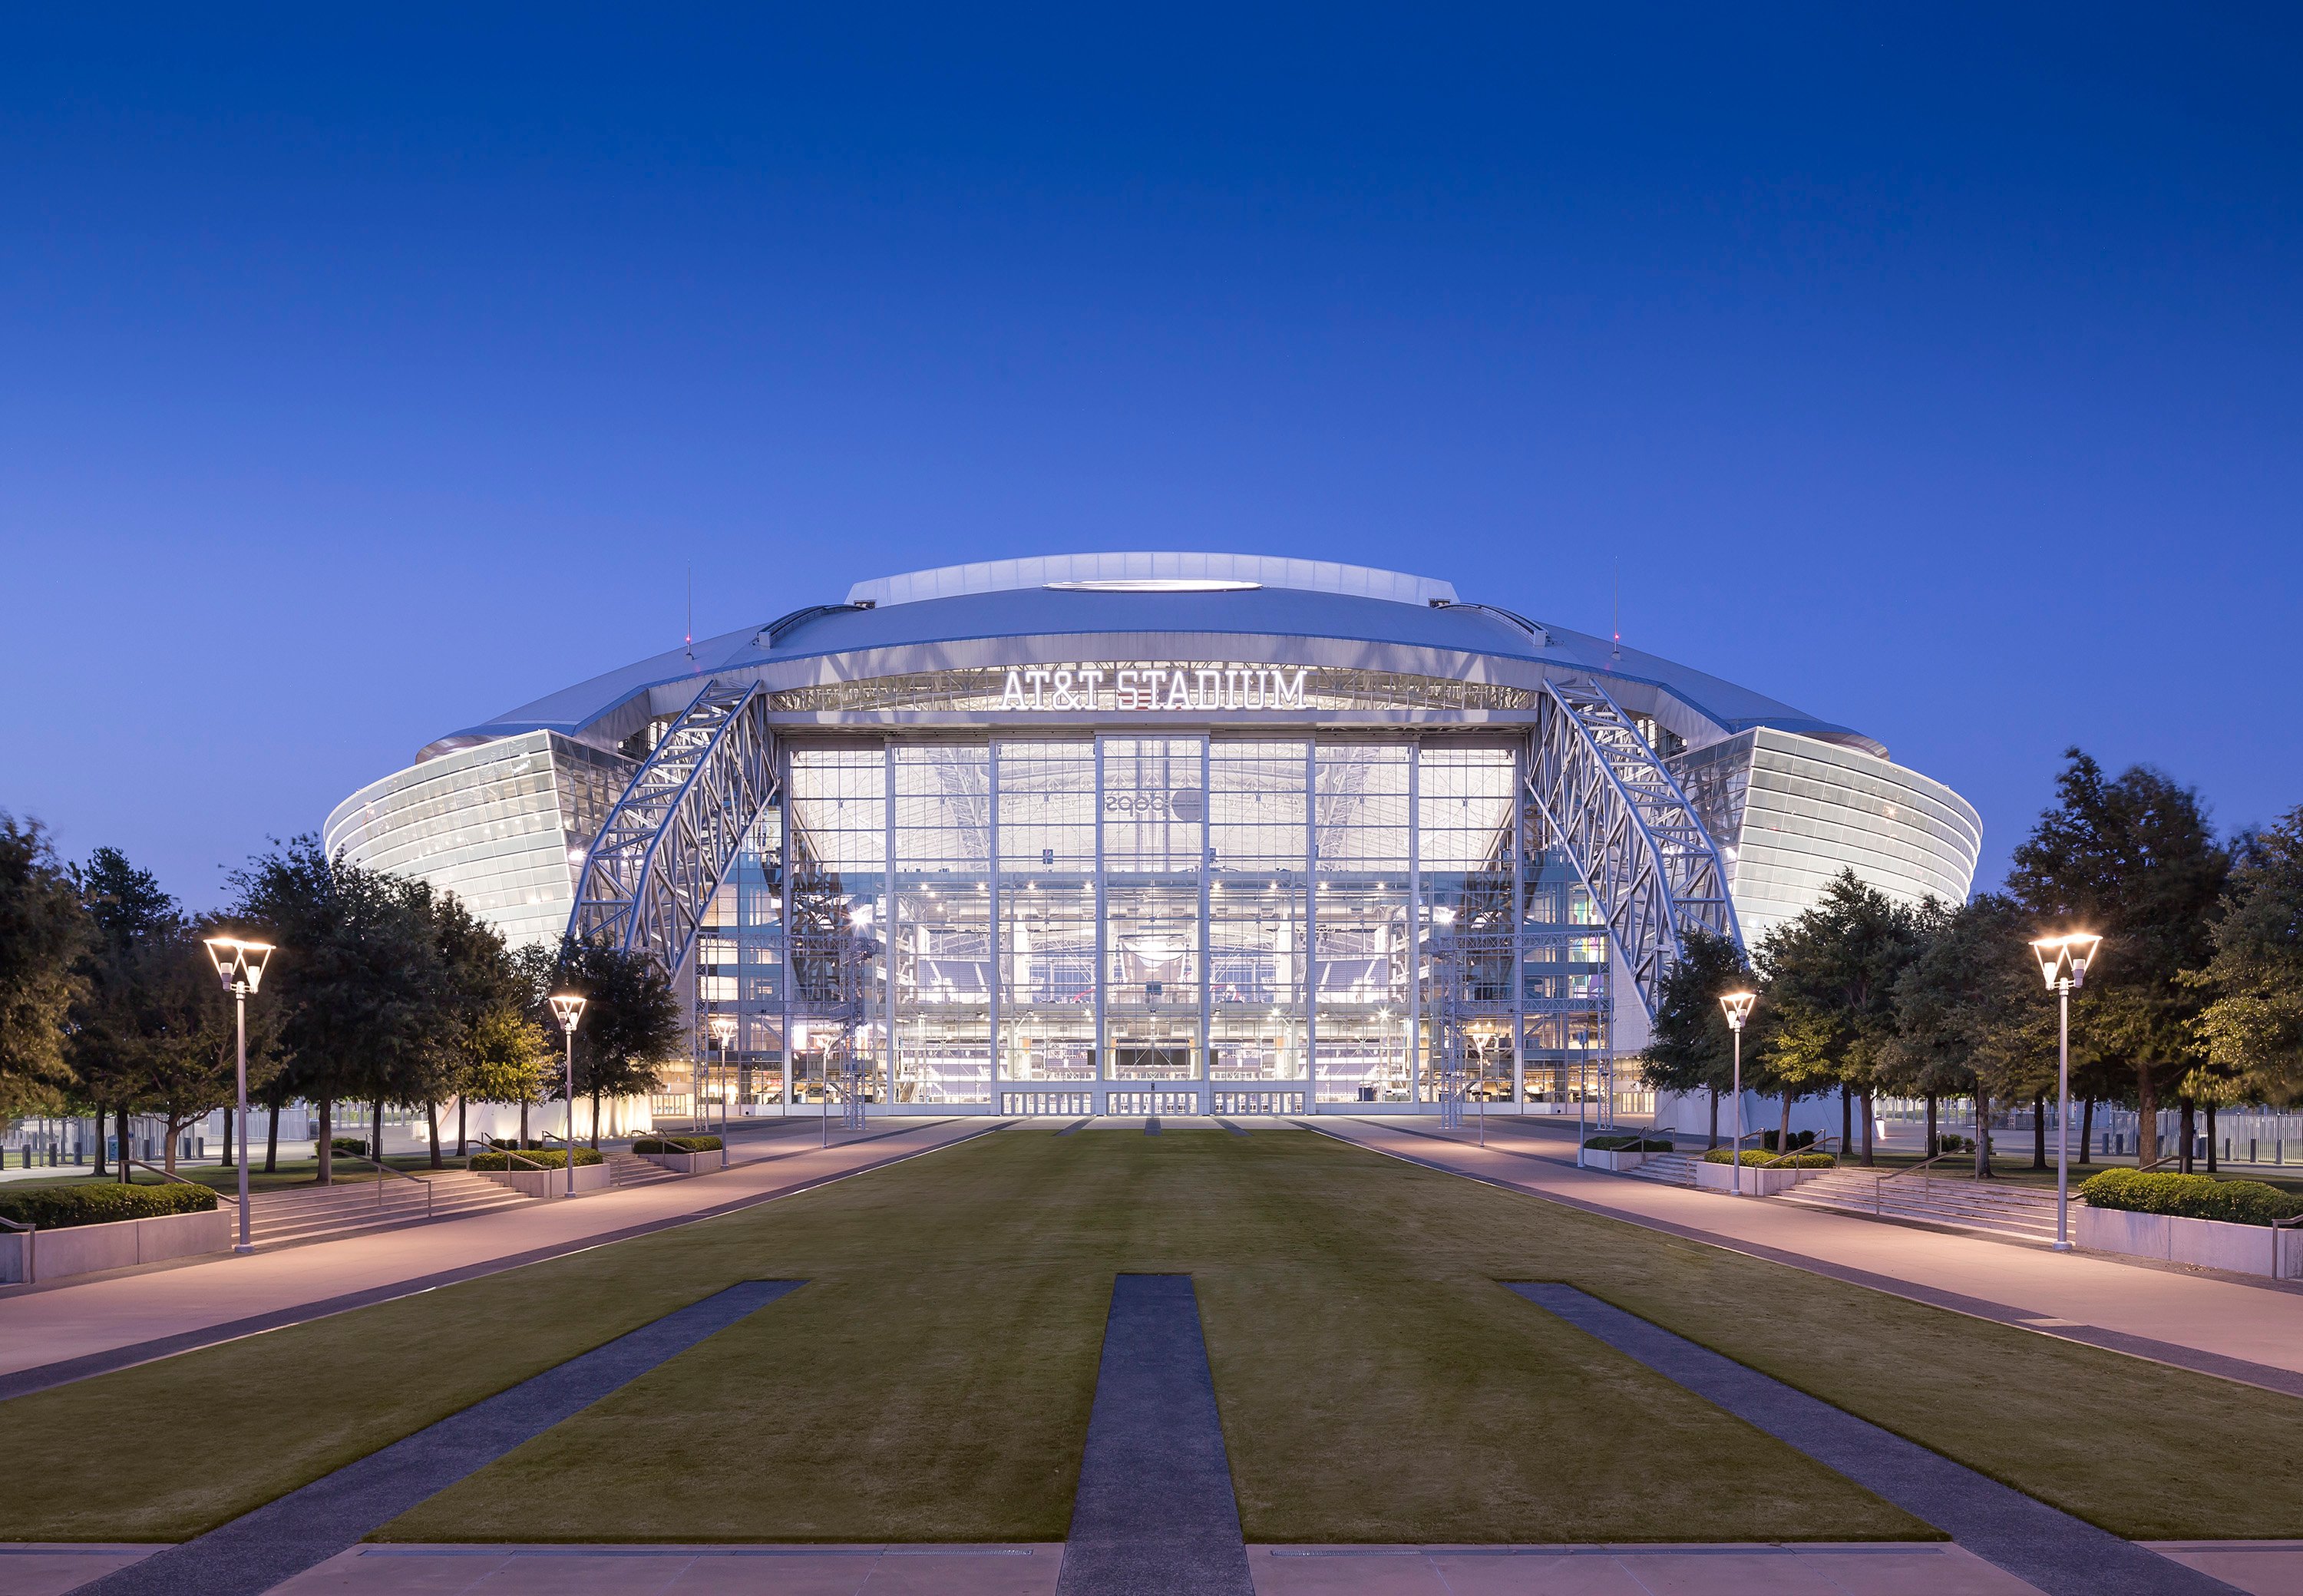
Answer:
(2133, 860)
(1970, 1014)
(126, 910)
(2252, 1025)
(184, 1049)
(361, 985)
(43, 932)
(1693, 1049)
(1831, 977)
(631, 1021)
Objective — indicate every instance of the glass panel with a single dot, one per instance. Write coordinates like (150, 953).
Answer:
(1155, 821)
(1359, 958)
(1256, 911)
(1047, 911)
(943, 923)
(1465, 829)
(838, 943)
(740, 975)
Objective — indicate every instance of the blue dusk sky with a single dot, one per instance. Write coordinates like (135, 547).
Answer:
(364, 373)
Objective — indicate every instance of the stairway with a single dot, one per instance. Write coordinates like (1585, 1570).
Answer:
(630, 1169)
(1996, 1207)
(1667, 1168)
(323, 1213)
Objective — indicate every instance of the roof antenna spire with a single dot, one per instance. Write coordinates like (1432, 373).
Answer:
(1617, 657)
(690, 643)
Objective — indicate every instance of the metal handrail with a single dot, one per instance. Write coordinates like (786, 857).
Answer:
(222, 1196)
(1820, 1144)
(387, 1170)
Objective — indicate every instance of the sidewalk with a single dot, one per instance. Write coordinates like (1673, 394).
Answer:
(93, 1324)
(2078, 1295)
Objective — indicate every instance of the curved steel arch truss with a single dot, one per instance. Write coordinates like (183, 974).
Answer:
(671, 838)
(1628, 828)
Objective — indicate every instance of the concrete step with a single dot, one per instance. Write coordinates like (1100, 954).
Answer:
(311, 1214)
(630, 1169)
(2016, 1210)
(1667, 1168)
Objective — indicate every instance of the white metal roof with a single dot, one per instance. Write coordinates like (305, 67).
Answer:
(1149, 572)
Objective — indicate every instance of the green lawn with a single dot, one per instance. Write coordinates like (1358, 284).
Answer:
(933, 1380)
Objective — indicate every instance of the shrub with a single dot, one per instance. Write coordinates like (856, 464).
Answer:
(1629, 1144)
(676, 1145)
(1753, 1156)
(550, 1158)
(1950, 1142)
(2191, 1197)
(350, 1146)
(61, 1207)
(1799, 1138)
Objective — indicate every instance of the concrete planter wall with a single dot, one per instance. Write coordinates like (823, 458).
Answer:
(1756, 1182)
(84, 1249)
(685, 1163)
(1595, 1159)
(550, 1183)
(2208, 1244)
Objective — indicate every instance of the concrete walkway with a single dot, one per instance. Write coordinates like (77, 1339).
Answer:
(49, 1334)
(2218, 1324)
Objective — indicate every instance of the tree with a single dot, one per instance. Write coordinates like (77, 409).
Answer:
(183, 1049)
(360, 981)
(487, 1048)
(1971, 1015)
(1692, 1050)
(2132, 859)
(126, 910)
(509, 1058)
(1831, 977)
(631, 1021)
(2252, 1025)
(43, 932)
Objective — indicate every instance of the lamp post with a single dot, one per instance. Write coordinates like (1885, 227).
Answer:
(1738, 1005)
(570, 1008)
(241, 966)
(2063, 963)
(724, 1032)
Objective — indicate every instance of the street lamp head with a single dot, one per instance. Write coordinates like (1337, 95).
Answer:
(569, 1007)
(2065, 959)
(1738, 1005)
(723, 1030)
(240, 964)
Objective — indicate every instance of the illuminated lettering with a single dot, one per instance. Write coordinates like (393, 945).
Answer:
(1037, 678)
(1179, 690)
(1124, 690)
(1012, 696)
(1289, 695)
(1076, 688)
(1064, 699)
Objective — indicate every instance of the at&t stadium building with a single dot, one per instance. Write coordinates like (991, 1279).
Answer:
(1155, 833)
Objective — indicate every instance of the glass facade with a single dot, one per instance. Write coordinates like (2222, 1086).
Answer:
(503, 825)
(1789, 813)
(1140, 924)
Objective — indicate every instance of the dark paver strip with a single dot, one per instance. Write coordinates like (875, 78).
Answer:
(1074, 1125)
(41, 1377)
(308, 1526)
(2059, 1554)
(1155, 1515)
(2244, 1371)
(1237, 1131)
(1152, 1126)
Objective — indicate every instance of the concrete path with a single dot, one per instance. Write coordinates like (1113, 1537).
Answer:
(1858, 1569)
(292, 1533)
(2217, 1324)
(2056, 1552)
(1154, 1515)
(55, 1333)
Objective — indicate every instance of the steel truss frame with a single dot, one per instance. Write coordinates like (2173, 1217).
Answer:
(671, 838)
(1628, 828)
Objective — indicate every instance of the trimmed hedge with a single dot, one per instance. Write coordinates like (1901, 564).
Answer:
(676, 1145)
(2191, 1197)
(1752, 1156)
(550, 1158)
(350, 1146)
(62, 1207)
(1628, 1144)
(1799, 1138)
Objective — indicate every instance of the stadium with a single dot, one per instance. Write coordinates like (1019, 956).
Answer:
(1163, 833)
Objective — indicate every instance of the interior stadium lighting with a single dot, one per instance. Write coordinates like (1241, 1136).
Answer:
(2063, 963)
(239, 965)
